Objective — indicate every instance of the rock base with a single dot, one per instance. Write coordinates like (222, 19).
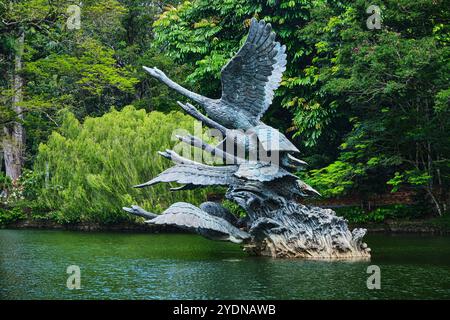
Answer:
(298, 231)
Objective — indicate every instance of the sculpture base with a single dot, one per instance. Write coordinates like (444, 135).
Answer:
(274, 227)
(277, 248)
(298, 231)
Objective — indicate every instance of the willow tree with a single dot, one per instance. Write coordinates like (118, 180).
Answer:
(87, 169)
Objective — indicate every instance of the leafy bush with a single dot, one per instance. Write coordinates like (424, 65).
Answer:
(380, 214)
(442, 222)
(10, 193)
(333, 180)
(5, 182)
(9, 215)
(412, 177)
(88, 170)
(234, 208)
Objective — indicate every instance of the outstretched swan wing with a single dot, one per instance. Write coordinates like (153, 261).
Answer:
(188, 216)
(250, 78)
(195, 174)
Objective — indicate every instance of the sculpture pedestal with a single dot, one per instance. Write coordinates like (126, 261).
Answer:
(298, 231)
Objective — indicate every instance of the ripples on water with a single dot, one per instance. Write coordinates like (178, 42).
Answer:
(158, 266)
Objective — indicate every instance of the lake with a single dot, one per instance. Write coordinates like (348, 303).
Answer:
(33, 265)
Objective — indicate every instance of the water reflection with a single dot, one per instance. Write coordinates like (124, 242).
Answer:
(142, 266)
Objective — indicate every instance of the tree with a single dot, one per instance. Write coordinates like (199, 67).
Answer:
(87, 170)
(17, 18)
(390, 85)
(58, 68)
(359, 97)
(367, 108)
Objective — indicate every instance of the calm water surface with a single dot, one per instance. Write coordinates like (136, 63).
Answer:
(168, 266)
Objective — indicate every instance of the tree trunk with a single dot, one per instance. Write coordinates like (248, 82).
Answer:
(13, 142)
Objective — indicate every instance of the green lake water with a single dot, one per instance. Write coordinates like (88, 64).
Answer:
(33, 265)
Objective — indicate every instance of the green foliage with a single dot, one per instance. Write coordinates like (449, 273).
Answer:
(333, 180)
(234, 208)
(442, 223)
(86, 70)
(79, 68)
(20, 200)
(91, 167)
(205, 34)
(389, 106)
(8, 216)
(380, 214)
(368, 115)
(5, 181)
(411, 177)
(350, 87)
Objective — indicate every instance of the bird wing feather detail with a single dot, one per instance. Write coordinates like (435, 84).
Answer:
(190, 217)
(250, 78)
(195, 174)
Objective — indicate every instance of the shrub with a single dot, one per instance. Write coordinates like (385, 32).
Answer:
(88, 169)
(334, 180)
(234, 208)
(397, 211)
(9, 215)
(5, 182)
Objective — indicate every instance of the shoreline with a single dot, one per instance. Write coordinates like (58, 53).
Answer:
(390, 227)
(91, 227)
(402, 227)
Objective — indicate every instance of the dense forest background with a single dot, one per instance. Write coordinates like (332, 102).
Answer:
(81, 122)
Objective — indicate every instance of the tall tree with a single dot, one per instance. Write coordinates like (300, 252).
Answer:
(17, 17)
(14, 133)
(391, 88)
